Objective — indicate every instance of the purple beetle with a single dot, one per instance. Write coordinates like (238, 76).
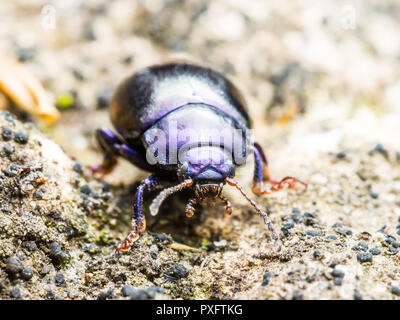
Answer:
(189, 126)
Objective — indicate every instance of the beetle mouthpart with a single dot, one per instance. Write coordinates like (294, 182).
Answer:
(261, 212)
(157, 201)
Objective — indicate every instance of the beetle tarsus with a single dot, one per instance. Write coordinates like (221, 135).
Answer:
(287, 182)
(227, 203)
(190, 207)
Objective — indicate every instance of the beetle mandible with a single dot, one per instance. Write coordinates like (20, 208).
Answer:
(188, 125)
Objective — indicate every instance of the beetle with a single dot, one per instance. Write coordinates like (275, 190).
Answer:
(188, 125)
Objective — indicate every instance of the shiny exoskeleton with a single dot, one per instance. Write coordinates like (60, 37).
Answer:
(187, 125)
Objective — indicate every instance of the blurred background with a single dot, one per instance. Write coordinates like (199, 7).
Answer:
(317, 76)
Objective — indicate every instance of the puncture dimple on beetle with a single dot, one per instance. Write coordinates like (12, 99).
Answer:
(189, 127)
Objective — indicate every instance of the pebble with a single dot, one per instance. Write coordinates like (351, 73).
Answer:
(77, 168)
(13, 265)
(158, 236)
(60, 280)
(26, 53)
(105, 294)
(316, 254)
(266, 277)
(309, 219)
(296, 216)
(375, 251)
(338, 281)
(37, 195)
(27, 273)
(297, 295)
(364, 257)
(392, 250)
(15, 293)
(56, 254)
(50, 294)
(361, 246)
(357, 295)
(104, 97)
(21, 137)
(29, 245)
(9, 150)
(177, 271)
(337, 273)
(374, 195)
(379, 149)
(313, 233)
(395, 290)
(86, 189)
(7, 134)
(127, 290)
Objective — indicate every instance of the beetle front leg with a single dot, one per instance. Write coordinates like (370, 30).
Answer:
(261, 173)
(112, 146)
(138, 219)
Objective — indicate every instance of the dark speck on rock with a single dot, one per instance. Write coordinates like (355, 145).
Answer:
(392, 250)
(158, 236)
(357, 294)
(309, 219)
(313, 233)
(86, 189)
(27, 273)
(153, 255)
(37, 195)
(60, 280)
(337, 225)
(21, 137)
(127, 290)
(105, 294)
(338, 281)
(29, 245)
(395, 244)
(104, 97)
(56, 254)
(364, 257)
(296, 216)
(15, 293)
(375, 251)
(379, 149)
(331, 237)
(8, 117)
(6, 134)
(13, 265)
(266, 277)
(297, 295)
(333, 264)
(50, 294)
(77, 168)
(361, 246)
(374, 195)
(395, 290)
(9, 150)
(337, 273)
(317, 254)
(177, 271)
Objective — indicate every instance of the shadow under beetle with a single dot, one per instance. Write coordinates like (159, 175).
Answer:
(189, 126)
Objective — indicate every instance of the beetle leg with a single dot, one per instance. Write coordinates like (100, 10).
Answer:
(138, 219)
(112, 147)
(261, 212)
(189, 207)
(228, 205)
(261, 173)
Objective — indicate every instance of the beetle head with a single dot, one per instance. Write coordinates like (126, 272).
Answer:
(208, 167)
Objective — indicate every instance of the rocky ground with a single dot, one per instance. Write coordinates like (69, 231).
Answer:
(322, 84)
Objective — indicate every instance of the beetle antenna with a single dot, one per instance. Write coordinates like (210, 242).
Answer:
(157, 201)
(261, 212)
